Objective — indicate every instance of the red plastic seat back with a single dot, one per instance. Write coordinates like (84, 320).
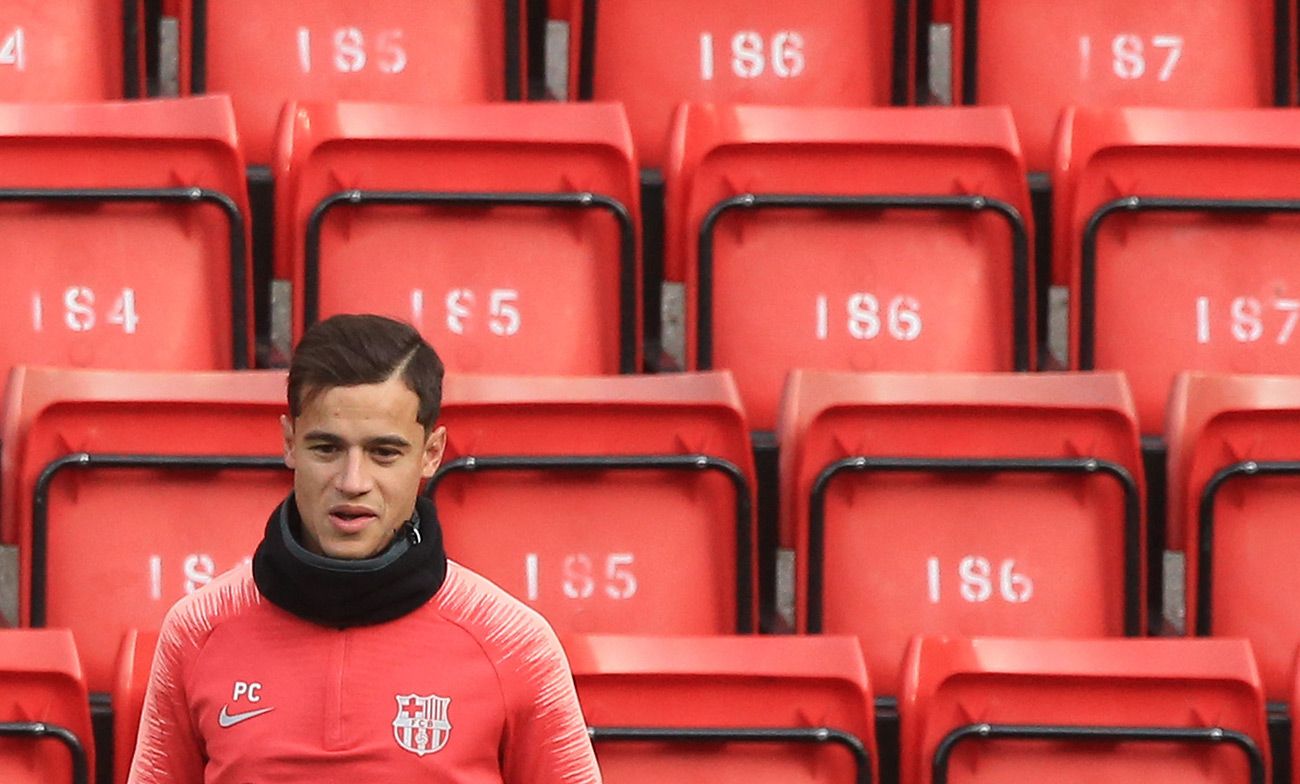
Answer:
(991, 701)
(615, 504)
(905, 247)
(71, 50)
(651, 57)
(1234, 481)
(183, 468)
(41, 684)
(1210, 239)
(506, 234)
(125, 234)
(667, 687)
(134, 661)
(1038, 59)
(407, 51)
(961, 504)
(1295, 729)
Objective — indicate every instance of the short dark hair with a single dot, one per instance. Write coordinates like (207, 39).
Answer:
(353, 349)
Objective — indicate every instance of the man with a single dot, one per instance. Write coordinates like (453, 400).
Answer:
(352, 650)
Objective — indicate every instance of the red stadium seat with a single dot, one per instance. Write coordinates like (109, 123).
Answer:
(730, 710)
(1234, 483)
(1179, 229)
(961, 504)
(1038, 57)
(653, 56)
(609, 504)
(45, 735)
(1087, 711)
(505, 233)
(71, 50)
(848, 239)
(182, 468)
(1295, 728)
(134, 660)
(125, 236)
(409, 51)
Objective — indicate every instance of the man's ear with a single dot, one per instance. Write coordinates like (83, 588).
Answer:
(286, 428)
(433, 449)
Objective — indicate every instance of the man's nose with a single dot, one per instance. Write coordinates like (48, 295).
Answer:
(354, 479)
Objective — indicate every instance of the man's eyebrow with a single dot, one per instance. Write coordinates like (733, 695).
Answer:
(324, 436)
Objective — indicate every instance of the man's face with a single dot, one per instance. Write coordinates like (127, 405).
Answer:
(358, 455)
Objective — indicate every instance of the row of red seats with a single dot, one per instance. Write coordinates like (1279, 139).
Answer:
(262, 54)
(1226, 53)
(779, 709)
(858, 239)
(993, 504)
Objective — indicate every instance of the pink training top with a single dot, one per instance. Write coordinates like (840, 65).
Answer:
(471, 687)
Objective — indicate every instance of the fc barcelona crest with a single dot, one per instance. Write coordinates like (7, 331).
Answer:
(421, 726)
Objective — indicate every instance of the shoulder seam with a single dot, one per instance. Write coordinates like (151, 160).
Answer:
(496, 671)
(210, 623)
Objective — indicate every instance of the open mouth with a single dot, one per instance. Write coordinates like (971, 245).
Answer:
(349, 518)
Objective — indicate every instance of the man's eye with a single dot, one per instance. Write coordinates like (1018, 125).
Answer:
(323, 449)
(387, 453)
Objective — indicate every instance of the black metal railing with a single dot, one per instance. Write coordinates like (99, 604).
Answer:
(1095, 734)
(1083, 466)
(865, 202)
(685, 463)
(1135, 204)
(37, 730)
(184, 195)
(793, 735)
(1205, 529)
(627, 282)
(83, 461)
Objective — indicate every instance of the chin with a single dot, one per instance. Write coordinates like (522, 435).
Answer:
(351, 551)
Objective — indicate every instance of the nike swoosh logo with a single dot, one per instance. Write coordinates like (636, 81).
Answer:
(230, 720)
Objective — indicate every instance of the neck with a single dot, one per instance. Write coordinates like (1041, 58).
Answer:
(343, 592)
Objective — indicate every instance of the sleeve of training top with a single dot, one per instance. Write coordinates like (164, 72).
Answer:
(166, 748)
(545, 739)
(546, 735)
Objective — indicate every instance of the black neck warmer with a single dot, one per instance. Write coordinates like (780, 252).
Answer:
(341, 593)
